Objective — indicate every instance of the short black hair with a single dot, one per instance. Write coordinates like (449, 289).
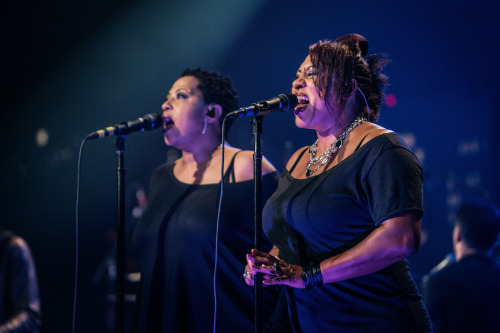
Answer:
(479, 221)
(216, 88)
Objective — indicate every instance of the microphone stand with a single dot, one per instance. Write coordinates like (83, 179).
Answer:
(257, 157)
(120, 237)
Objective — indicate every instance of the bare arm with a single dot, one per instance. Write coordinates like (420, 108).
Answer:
(395, 239)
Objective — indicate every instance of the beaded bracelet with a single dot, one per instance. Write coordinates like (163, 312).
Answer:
(311, 275)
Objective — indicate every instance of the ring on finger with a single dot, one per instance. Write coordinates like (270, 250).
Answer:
(275, 268)
(246, 275)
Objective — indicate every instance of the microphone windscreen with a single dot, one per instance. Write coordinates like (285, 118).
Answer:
(289, 101)
(152, 121)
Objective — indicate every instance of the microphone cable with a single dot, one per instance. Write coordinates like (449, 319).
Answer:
(218, 223)
(216, 230)
(78, 177)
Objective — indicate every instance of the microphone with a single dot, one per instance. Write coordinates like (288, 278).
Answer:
(144, 123)
(281, 103)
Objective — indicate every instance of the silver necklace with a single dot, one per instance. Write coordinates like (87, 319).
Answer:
(334, 147)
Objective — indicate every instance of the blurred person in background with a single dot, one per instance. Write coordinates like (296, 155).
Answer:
(19, 296)
(463, 294)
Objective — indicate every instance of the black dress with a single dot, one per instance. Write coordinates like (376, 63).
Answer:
(313, 219)
(175, 244)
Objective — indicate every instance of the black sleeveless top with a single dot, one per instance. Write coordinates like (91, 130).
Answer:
(313, 219)
(175, 244)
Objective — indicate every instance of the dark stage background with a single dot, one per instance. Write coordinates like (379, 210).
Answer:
(72, 67)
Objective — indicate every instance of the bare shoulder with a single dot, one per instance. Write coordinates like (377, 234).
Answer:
(244, 165)
(371, 131)
(294, 157)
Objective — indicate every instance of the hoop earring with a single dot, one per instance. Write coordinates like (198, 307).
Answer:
(205, 127)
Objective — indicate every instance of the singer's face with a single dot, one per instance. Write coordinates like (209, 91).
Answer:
(311, 112)
(183, 112)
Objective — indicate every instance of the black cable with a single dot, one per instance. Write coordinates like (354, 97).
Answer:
(218, 222)
(76, 231)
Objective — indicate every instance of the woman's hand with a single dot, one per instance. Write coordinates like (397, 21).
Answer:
(248, 275)
(250, 270)
(275, 270)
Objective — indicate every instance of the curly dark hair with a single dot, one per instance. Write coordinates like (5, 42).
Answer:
(345, 59)
(216, 88)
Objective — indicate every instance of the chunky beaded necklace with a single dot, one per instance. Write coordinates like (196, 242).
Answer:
(334, 147)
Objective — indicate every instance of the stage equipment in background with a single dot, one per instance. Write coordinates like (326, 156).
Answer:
(281, 103)
(147, 122)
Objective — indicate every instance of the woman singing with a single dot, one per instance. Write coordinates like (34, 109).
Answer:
(348, 208)
(175, 239)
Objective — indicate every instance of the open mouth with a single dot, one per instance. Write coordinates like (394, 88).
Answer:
(303, 102)
(167, 123)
